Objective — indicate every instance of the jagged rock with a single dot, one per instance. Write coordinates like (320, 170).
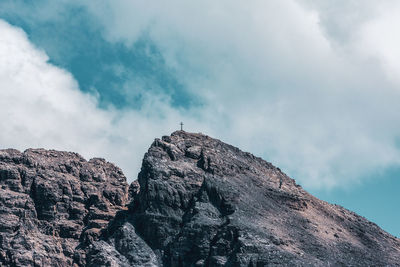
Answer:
(51, 202)
(201, 202)
(197, 202)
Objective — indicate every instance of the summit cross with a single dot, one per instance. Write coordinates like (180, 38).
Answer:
(181, 126)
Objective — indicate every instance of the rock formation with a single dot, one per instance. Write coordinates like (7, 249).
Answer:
(53, 202)
(197, 202)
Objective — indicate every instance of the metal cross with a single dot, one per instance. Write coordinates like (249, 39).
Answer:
(181, 126)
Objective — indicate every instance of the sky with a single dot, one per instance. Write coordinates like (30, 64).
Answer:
(311, 86)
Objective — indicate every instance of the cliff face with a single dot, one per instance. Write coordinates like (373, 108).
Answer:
(197, 202)
(52, 203)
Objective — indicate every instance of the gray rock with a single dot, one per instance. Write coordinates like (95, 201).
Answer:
(53, 202)
(201, 202)
(197, 202)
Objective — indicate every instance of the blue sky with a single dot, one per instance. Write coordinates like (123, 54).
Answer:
(311, 86)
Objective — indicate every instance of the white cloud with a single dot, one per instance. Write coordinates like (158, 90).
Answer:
(366, 29)
(377, 38)
(284, 79)
(42, 106)
(310, 86)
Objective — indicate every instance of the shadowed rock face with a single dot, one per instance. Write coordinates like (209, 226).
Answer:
(197, 202)
(201, 202)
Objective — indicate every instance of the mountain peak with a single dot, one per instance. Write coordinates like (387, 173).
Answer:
(197, 202)
(203, 202)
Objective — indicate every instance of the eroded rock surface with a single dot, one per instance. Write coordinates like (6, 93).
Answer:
(201, 202)
(197, 202)
(51, 202)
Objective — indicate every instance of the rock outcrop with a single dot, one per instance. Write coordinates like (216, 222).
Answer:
(197, 202)
(51, 203)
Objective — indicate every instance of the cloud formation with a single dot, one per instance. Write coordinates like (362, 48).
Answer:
(287, 80)
(42, 106)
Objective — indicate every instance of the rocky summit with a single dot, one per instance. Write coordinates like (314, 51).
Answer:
(197, 202)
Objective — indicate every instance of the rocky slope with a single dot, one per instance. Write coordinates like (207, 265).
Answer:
(197, 202)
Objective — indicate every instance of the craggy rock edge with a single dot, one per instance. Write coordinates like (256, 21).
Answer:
(197, 202)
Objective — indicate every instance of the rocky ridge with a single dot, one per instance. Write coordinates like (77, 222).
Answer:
(197, 202)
